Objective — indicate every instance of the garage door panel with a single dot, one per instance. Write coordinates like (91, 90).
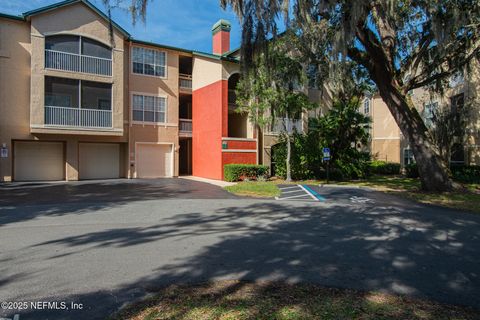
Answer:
(99, 161)
(38, 161)
(154, 160)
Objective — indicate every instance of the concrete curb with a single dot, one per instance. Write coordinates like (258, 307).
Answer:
(345, 186)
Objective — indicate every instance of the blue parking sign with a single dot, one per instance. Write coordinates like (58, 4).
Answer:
(326, 153)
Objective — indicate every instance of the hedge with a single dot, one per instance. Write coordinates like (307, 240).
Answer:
(383, 167)
(237, 172)
(461, 173)
(466, 174)
(411, 170)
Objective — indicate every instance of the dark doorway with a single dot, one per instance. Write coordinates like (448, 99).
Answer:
(185, 156)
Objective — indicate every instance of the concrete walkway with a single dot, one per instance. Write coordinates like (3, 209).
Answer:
(219, 183)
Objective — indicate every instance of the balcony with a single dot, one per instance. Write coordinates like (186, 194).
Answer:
(185, 127)
(290, 124)
(77, 117)
(185, 82)
(59, 60)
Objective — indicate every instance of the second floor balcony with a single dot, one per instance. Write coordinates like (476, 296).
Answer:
(77, 117)
(185, 82)
(286, 125)
(77, 54)
(185, 127)
(77, 104)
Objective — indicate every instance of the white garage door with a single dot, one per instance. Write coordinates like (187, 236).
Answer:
(37, 161)
(154, 160)
(99, 161)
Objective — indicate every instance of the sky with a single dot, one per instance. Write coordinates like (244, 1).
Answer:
(180, 23)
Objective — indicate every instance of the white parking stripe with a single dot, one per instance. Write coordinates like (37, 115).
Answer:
(292, 197)
(292, 191)
(311, 195)
(285, 188)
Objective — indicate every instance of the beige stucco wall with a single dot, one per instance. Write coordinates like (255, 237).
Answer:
(268, 140)
(151, 85)
(14, 87)
(383, 123)
(22, 82)
(386, 150)
(470, 87)
(205, 71)
(75, 19)
(385, 133)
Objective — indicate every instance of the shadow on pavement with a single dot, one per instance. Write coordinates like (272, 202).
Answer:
(29, 201)
(431, 254)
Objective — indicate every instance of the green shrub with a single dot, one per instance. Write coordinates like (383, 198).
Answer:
(237, 172)
(411, 170)
(465, 174)
(384, 167)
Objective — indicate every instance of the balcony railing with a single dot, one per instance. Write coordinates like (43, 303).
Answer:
(77, 63)
(290, 124)
(77, 118)
(185, 81)
(185, 125)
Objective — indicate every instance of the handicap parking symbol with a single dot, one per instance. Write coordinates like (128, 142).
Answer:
(356, 199)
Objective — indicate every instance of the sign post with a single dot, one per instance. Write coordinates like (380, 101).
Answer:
(326, 157)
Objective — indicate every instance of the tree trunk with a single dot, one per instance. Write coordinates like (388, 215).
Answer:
(289, 151)
(433, 171)
(286, 123)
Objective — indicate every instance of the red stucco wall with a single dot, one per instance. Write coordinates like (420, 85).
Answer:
(207, 119)
(238, 157)
(221, 42)
(239, 144)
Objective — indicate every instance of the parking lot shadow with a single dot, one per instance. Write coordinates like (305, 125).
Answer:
(430, 254)
(27, 201)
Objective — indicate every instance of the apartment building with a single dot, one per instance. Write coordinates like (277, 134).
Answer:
(82, 99)
(388, 143)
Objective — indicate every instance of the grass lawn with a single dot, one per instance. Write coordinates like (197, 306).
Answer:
(261, 189)
(467, 199)
(242, 300)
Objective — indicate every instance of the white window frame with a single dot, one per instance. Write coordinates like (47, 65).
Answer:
(366, 102)
(143, 94)
(403, 156)
(149, 75)
(429, 120)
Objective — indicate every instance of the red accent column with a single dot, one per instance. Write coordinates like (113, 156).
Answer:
(207, 130)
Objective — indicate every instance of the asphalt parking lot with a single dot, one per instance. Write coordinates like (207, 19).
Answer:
(103, 244)
(106, 191)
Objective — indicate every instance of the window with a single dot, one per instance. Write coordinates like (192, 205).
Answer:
(366, 106)
(149, 62)
(96, 95)
(78, 45)
(95, 49)
(457, 102)
(149, 108)
(457, 154)
(429, 110)
(61, 92)
(408, 156)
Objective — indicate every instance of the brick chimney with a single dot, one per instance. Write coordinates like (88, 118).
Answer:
(221, 37)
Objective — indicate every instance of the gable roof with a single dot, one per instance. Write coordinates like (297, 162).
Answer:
(65, 3)
(9, 16)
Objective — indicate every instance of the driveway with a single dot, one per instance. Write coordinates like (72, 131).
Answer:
(125, 239)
